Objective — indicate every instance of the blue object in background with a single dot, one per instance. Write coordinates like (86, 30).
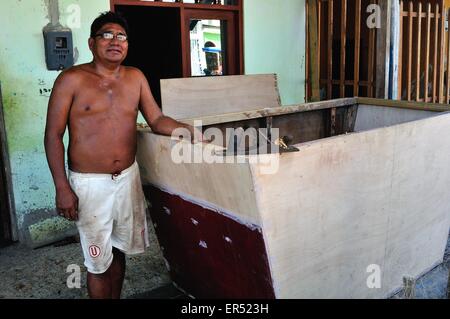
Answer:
(212, 50)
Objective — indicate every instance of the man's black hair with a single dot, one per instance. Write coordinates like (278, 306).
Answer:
(108, 17)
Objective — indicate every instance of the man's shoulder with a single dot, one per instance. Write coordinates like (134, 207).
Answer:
(73, 73)
(132, 71)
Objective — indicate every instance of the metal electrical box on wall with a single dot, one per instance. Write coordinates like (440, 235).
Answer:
(58, 49)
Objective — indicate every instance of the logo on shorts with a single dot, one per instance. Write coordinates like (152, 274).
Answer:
(94, 251)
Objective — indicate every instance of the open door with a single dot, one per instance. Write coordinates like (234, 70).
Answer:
(211, 35)
(155, 42)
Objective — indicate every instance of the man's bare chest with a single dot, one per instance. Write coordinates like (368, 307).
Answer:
(102, 100)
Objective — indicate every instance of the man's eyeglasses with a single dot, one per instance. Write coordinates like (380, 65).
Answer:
(109, 36)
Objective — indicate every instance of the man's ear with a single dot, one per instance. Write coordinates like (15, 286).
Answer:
(91, 42)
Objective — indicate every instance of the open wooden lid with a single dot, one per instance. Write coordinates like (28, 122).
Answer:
(189, 98)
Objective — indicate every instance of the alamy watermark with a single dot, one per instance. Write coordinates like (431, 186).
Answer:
(74, 279)
(374, 19)
(255, 146)
(374, 279)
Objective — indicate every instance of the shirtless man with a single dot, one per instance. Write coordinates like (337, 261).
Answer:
(99, 103)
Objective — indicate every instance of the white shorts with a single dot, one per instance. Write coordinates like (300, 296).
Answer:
(111, 213)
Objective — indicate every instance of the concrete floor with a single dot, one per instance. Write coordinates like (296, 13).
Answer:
(42, 273)
(433, 285)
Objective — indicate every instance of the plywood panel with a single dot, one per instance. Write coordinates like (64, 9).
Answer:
(419, 215)
(196, 97)
(313, 45)
(370, 117)
(342, 204)
(318, 219)
(224, 187)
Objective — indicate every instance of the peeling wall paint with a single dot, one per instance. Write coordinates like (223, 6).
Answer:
(53, 11)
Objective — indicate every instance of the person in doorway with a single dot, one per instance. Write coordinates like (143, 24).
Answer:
(99, 103)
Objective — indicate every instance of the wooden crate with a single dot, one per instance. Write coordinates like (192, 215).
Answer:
(367, 191)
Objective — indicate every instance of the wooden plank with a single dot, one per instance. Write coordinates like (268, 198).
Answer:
(276, 111)
(415, 15)
(427, 54)
(241, 38)
(185, 46)
(418, 49)
(307, 81)
(313, 47)
(328, 104)
(319, 42)
(350, 120)
(194, 97)
(161, 4)
(269, 126)
(435, 60)
(383, 51)
(333, 121)
(441, 59)
(371, 63)
(447, 101)
(343, 46)
(404, 104)
(347, 82)
(400, 55)
(357, 46)
(330, 50)
(177, 4)
(410, 48)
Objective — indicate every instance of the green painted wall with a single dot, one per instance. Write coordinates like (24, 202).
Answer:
(213, 37)
(274, 42)
(26, 86)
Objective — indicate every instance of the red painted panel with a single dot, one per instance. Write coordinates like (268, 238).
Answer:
(210, 255)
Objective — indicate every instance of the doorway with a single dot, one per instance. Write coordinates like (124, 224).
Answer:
(183, 39)
(154, 43)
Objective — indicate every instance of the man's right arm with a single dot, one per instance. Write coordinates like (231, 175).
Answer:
(57, 118)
